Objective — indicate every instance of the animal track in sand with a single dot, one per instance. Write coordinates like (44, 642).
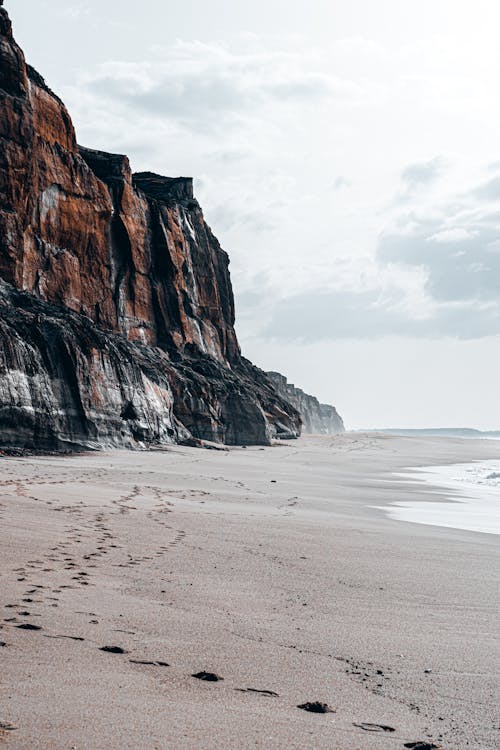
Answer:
(123, 501)
(292, 502)
(179, 537)
(378, 680)
(367, 674)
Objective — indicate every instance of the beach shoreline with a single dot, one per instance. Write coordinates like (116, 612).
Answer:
(269, 567)
(462, 496)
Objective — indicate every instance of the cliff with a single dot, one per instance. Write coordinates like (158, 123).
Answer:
(116, 306)
(316, 418)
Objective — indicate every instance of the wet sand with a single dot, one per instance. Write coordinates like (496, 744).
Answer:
(266, 567)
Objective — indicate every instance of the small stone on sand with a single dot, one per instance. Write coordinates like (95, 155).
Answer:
(28, 626)
(207, 676)
(316, 707)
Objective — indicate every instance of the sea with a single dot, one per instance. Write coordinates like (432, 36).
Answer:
(471, 497)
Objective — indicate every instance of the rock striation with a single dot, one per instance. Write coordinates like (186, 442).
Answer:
(116, 306)
(317, 418)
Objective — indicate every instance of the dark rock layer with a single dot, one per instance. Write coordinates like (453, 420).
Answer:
(66, 383)
(317, 418)
(116, 306)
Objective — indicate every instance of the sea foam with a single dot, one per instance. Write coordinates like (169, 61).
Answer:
(471, 492)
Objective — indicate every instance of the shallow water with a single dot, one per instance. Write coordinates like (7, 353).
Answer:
(472, 492)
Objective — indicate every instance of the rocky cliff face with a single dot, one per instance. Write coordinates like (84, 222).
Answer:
(317, 418)
(116, 307)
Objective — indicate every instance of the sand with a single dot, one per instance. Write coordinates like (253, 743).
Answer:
(267, 567)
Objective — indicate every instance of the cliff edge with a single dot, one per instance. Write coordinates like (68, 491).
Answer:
(116, 306)
(317, 419)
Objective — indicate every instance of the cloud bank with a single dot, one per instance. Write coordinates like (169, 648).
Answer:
(345, 248)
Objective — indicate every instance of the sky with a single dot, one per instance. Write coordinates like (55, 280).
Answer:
(347, 156)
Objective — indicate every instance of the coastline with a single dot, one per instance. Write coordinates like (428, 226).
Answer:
(455, 499)
(267, 566)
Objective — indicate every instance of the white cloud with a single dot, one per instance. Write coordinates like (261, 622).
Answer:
(270, 131)
(456, 234)
(199, 84)
(423, 173)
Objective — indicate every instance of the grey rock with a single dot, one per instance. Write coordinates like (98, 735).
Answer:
(317, 418)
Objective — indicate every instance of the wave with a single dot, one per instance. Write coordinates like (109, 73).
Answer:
(471, 491)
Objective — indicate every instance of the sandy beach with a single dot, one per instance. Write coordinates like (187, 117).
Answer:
(268, 567)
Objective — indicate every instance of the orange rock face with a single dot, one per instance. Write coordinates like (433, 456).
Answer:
(134, 254)
(131, 253)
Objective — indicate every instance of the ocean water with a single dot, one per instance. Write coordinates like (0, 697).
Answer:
(471, 497)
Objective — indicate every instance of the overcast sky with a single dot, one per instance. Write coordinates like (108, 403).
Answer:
(346, 154)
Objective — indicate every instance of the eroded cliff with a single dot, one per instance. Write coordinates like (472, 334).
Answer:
(317, 418)
(116, 307)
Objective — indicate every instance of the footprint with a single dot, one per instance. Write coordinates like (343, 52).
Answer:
(374, 727)
(28, 626)
(71, 637)
(6, 727)
(254, 690)
(207, 676)
(316, 707)
(150, 663)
